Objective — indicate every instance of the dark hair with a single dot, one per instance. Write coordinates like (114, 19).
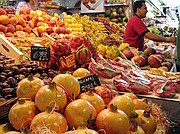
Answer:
(137, 4)
(26, 0)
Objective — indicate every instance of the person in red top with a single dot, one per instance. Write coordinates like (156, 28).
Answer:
(136, 30)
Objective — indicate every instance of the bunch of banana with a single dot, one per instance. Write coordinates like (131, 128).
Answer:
(112, 52)
(118, 27)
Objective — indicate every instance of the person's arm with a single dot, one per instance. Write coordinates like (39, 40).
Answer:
(159, 38)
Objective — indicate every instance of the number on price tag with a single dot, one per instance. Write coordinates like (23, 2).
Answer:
(40, 53)
(89, 82)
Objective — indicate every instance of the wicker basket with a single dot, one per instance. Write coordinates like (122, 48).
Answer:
(5, 107)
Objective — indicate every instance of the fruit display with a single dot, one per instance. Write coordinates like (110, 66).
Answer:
(11, 74)
(126, 76)
(80, 115)
(49, 95)
(116, 15)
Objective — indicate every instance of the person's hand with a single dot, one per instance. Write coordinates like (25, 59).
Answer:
(172, 39)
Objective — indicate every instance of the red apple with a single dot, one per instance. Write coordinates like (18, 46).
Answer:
(51, 23)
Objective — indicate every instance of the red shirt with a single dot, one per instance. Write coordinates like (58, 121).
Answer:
(134, 32)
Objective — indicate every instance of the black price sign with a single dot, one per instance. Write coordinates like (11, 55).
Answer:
(89, 82)
(40, 53)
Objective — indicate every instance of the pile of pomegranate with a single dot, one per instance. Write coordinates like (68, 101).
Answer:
(60, 107)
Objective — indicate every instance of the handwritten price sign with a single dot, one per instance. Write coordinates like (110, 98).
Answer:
(89, 82)
(40, 53)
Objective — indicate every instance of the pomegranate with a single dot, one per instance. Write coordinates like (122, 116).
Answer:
(139, 130)
(20, 112)
(50, 93)
(4, 128)
(131, 95)
(141, 104)
(49, 121)
(94, 99)
(112, 121)
(146, 121)
(106, 93)
(78, 112)
(82, 130)
(28, 87)
(81, 72)
(70, 83)
(124, 103)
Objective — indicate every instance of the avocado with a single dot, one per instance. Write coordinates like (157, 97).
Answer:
(113, 15)
(120, 10)
(107, 12)
(122, 15)
(114, 9)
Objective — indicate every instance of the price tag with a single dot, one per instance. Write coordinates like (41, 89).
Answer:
(62, 16)
(89, 82)
(70, 61)
(40, 53)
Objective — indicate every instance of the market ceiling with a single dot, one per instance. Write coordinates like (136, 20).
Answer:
(168, 3)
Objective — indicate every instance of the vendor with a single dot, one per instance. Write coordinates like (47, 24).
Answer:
(136, 30)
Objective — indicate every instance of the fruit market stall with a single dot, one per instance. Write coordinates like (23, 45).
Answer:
(81, 48)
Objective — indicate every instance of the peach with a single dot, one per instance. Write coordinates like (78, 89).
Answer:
(4, 19)
(19, 28)
(31, 24)
(3, 28)
(13, 21)
(27, 29)
(2, 11)
(15, 34)
(32, 35)
(21, 21)
(27, 34)
(26, 11)
(54, 35)
(41, 29)
(40, 24)
(9, 34)
(10, 28)
(49, 30)
(58, 30)
(51, 23)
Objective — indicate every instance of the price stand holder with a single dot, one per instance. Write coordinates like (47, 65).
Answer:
(39, 53)
(89, 82)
